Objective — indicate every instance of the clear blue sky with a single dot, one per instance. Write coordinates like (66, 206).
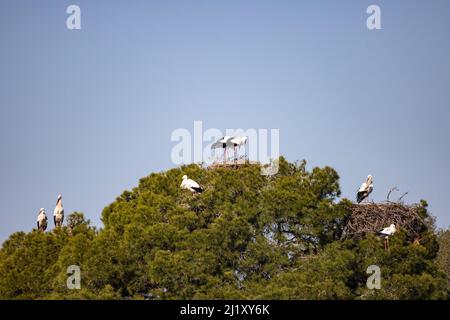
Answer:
(87, 113)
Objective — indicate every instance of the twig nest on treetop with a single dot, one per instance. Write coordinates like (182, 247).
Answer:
(373, 217)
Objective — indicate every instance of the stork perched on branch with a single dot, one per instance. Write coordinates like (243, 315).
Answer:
(42, 220)
(386, 232)
(58, 213)
(365, 189)
(191, 185)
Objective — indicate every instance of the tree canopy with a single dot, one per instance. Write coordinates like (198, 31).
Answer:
(247, 236)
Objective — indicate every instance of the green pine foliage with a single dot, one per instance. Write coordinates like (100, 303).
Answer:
(443, 258)
(247, 236)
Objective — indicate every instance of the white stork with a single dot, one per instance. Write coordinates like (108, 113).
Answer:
(224, 143)
(365, 189)
(58, 213)
(191, 185)
(42, 220)
(386, 232)
(238, 142)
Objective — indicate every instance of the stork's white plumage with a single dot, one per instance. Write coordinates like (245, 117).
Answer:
(387, 232)
(58, 213)
(223, 143)
(190, 185)
(365, 189)
(42, 220)
(238, 142)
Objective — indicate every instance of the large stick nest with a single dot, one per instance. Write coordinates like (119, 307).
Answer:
(373, 217)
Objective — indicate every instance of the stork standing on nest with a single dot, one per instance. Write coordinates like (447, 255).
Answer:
(224, 143)
(42, 220)
(191, 185)
(365, 189)
(386, 232)
(58, 213)
(238, 142)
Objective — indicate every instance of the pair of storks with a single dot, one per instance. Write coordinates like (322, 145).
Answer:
(58, 216)
(229, 142)
(363, 194)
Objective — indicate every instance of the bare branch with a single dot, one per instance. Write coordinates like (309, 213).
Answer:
(390, 191)
(400, 199)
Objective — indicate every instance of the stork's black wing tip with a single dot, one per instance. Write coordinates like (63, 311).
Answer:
(198, 190)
